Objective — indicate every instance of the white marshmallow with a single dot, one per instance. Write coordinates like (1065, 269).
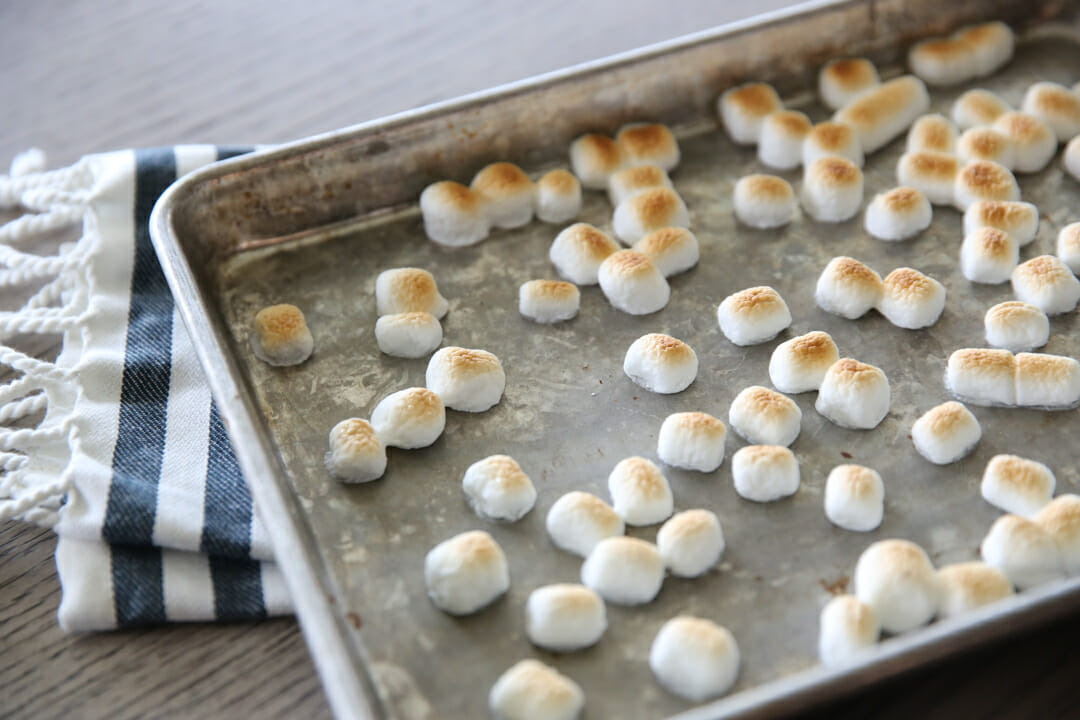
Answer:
(854, 395)
(932, 132)
(593, 158)
(974, 51)
(970, 585)
(832, 189)
(579, 520)
(466, 380)
(548, 301)
(1061, 518)
(1068, 246)
(1017, 485)
(453, 214)
(632, 283)
(558, 197)
(530, 690)
(660, 363)
(1019, 219)
(281, 336)
(402, 290)
(765, 417)
(753, 316)
(692, 440)
(1047, 283)
(691, 542)
(628, 182)
(743, 109)
(991, 44)
(978, 107)
(672, 250)
(1016, 326)
(764, 473)
(649, 210)
(781, 140)
(1047, 382)
(1023, 550)
(982, 376)
(466, 573)
(764, 201)
(496, 488)
(648, 144)
(848, 288)
(884, 112)
(564, 618)
(898, 214)
(408, 335)
(986, 143)
(624, 570)
(911, 299)
(946, 433)
(984, 180)
(854, 498)
(1057, 106)
(578, 251)
(832, 138)
(1034, 143)
(694, 658)
(1071, 158)
(409, 419)
(931, 173)
(356, 454)
(508, 193)
(799, 364)
(897, 579)
(847, 628)
(988, 255)
(640, 493)
(841, 81)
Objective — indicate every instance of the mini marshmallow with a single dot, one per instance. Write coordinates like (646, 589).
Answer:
(1047, 283)
(848, 288)
(624, 570)
(781, 140)
(496, 488)
(640, 493)
(648, 144)
(753, 316)
(453, 214)
(978, 107)
(765, 417)
(991, 43)
(1034, 143)
(970, 585)
(1061, 519)
(1023, 550)
(897, 579)
(988, 255)
(690, 542)
(1016, 326)
(356, 454)
(672, 250)
(841, 81)
(911, 299)
(649, 210)
(832, 138)
(628, 182)
(854, 395)
(558, 197)
(932, 132)
(799, 364)
(692, 440)
(743, 109)
(764, 201)
(986, 143)
(847, 627)
(982, 376)
(1047, 382)
(593, 158)
(694, 658)
(578, 251)
(466, 572)
(884, 112)
(403, 290)
(1017, 485)
(1057, 106)
(564, 618)
(632, 283)
(898, 214)
(408, 335)
(531, 690)
(466, 380)
(832, 189)
(579, 520)
(281, 336)
(1071, 158)
(1019, 219)
(764, 473)
(660, 363)
(854, 498)
(509, 195)
(946, 433)
(409, 419)
(932, 173)
(974, 51)
(548, 301)
(984, 180)
(1068, 246)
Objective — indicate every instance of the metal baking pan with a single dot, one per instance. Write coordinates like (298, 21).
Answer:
(313, 222)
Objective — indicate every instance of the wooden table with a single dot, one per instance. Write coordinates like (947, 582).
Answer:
(77, 78)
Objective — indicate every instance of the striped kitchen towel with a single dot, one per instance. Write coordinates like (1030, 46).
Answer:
(117, 444)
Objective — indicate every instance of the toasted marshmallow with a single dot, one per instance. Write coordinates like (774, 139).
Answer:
(942, 61)
(672, 250)
(624, 570)
(753, 316)
(847, 627)
(593, 158)
(1057, 106)
(841, 81)
(884, 112)
(692, 440)
(1019, 219)
(403, 290)
(648, 144)
(911, 299)
(986, 143)
(408, 335)
(991, 43)
(832, 138)
(854, 395)
(1034, 143)
(1061, 518)
(1023, 550)
(466, 572)
(854, 498)
(558, 197)
(465, 379)
(1047, 382)
(1016, 326)
(640, 493)
(988, 255)
(660, 363)
(743, 110)
(409, 419)
(764, 201)
(764, 473)
(508, 193)
(453, 214)
(548, 301)
(765, 417)
(649, 210)
(848, 288)
(1017, 485)
(970, 585)
(1047, 283)
(984, 180)
(281, 336)
(564, 618)
(356, 454)
(946, 433)
(832, 189)
(932, 173)
(781, 140)
(1068, 246)
(1071, 158)
(690, 542)
(628, 182)
(531, 690)
(799, 364)
(897, 579)
(694, 658)
(982, 377)
(978, 107)
(498, 489)
(632, 283)
(579, 520)
(578, 251)
(936, 133)
(898, 214)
